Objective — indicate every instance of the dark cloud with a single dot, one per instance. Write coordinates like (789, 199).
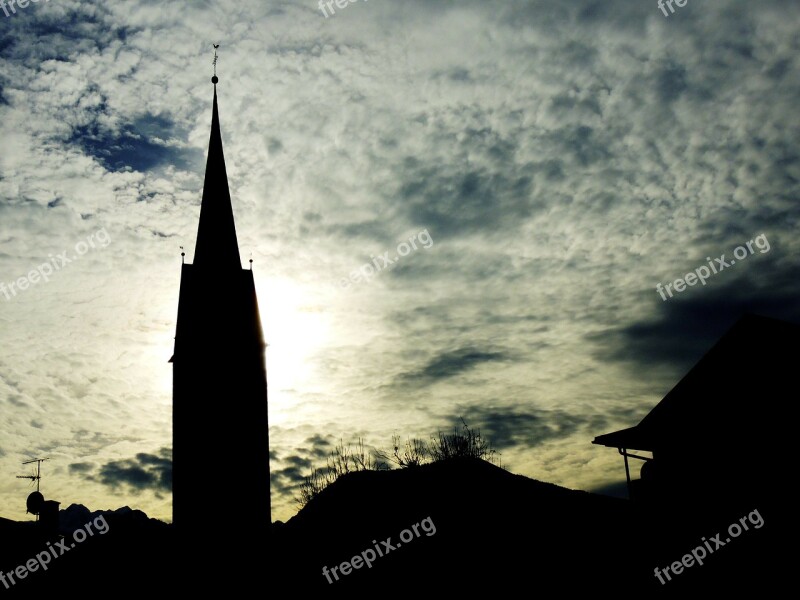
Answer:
(17, 400)
(462, 202)
(298, 461)
(144, 472)
(582, 143)
(318, 446)
(507, 427)
(139, 146)
(450, 364)
(473, 182)
(287, 474)
(81, 468)
(62, 32)
(287, 479)
(161, 234)
(671, 82)
(687, 325)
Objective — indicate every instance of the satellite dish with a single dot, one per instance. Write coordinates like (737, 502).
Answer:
(35, 502)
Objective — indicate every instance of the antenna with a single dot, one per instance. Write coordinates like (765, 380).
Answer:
(38, 476)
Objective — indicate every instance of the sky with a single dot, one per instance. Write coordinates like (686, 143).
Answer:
(553, 162)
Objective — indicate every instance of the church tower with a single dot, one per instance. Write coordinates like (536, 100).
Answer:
(220, 422)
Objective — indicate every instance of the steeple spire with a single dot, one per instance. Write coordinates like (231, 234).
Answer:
(217, 246)
(219, 391)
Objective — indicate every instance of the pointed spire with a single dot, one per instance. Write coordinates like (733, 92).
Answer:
(217, 246)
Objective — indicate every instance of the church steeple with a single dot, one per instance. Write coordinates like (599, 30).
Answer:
(219, 378)
(217, 247)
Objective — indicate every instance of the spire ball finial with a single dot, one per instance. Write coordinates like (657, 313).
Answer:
(214, 80)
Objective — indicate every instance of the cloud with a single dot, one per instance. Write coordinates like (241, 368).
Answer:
(144, 145)
(288, 473)
(286, 480)
(451, 200)
(450, 364)
(508, 427)
(143, 472)
(316, 446)
(81, 468)
(686, 326)
(564, 157)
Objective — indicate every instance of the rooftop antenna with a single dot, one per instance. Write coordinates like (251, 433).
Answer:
(38, 476)
(35, 499)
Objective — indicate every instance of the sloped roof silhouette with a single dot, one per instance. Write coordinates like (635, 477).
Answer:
(732, 396)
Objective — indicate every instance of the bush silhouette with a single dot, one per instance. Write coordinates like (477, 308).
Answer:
(461, 443)
(413, 454)
(342, 460)
(464, 443)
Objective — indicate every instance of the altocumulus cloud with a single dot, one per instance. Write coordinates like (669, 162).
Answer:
(565, 157)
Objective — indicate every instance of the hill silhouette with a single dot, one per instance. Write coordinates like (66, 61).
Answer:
(501, 533)
(492, 528)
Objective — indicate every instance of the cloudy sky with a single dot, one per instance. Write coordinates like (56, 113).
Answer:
(562, 158)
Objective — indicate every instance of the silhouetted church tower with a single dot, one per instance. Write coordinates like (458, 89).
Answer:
(220, 424)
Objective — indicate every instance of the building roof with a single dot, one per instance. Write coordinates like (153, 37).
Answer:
(729, 399)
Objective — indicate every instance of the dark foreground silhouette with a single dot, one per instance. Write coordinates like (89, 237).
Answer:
(478, 528)
(496, 531)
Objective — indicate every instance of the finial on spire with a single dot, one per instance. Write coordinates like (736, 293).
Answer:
(215, 79)
(182, 254)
